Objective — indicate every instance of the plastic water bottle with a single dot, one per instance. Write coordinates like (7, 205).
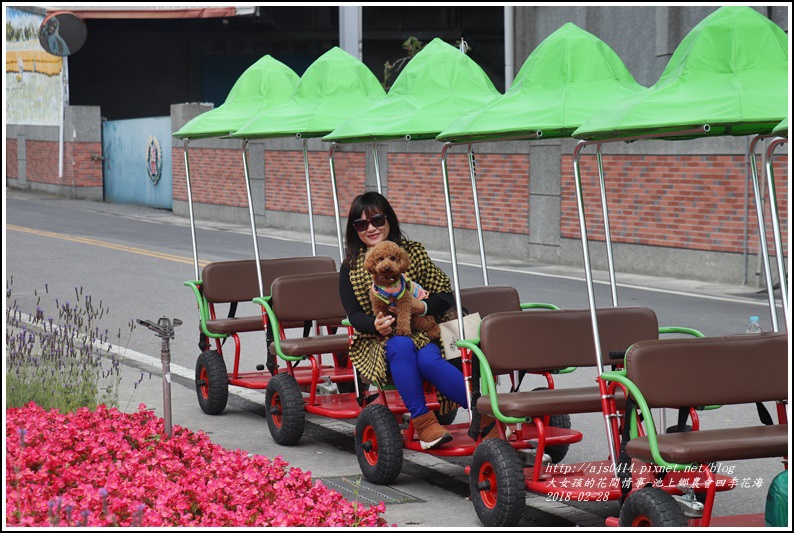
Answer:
(754, 326)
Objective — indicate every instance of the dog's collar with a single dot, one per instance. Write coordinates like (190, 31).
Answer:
(390, 297)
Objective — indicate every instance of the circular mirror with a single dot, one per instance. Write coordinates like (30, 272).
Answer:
(62, 33)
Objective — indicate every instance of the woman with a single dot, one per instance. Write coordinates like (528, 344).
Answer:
(410, 360)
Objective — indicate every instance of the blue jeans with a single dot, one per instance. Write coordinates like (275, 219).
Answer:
(411, 367)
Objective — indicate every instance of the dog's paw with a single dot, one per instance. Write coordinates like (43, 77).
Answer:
(434, 333)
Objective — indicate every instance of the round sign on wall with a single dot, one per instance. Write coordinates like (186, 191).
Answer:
(62, 33)
(154, 159)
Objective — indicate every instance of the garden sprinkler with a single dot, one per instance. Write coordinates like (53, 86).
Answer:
(165, 330)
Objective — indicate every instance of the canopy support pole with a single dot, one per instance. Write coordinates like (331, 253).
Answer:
(764, 247)
(309, 196)
(607, 233)
(253, 222)
(334, 195)
(473, 174)
(190, 212)
(781, 265)
(591, 293)
(377, 167)
(454, 260)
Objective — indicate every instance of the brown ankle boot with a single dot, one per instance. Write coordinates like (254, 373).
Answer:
(431, 433)
(492, 432)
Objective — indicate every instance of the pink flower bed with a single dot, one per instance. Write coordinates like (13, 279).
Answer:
(104, 467)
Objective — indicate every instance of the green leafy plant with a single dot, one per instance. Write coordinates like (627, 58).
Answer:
(412, 46)
(60, 359)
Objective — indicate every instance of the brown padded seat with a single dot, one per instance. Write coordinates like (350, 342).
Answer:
(253, 323)
(493, 299)
(709, 445)
(306, 297)
(490, 299)
(737, 369)
(549, 339)
(313, 345)
(549, 402)
(235, 281)
(236, 324)
(538, 340)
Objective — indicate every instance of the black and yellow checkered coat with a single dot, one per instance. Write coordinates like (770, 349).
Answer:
(367, 351)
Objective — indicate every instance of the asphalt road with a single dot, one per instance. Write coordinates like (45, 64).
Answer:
(135, 261)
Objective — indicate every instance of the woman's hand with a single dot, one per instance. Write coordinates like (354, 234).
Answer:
(384, 323)
(417, 306)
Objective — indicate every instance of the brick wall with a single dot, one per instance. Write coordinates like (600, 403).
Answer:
(415, 187)
(695, 202)
(42, 162)
(350, 177)
(79, 170)
(216, 176)
(12, 155)
(416, 190)
(285, 181)
(81, 164)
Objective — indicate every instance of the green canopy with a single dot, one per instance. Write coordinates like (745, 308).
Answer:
(730, 72)
(782, 128)
(569, 76)
(439, 85)
(332, 88)
(265, 84)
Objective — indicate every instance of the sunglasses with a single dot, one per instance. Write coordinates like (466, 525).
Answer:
(361, 224)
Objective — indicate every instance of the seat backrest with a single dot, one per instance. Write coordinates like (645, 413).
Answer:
(490, 299)
(537, 340)
(711, 370)
(304, 297)
(235, 281)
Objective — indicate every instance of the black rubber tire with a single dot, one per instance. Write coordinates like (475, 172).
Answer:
(557, 453)
(284, 409)
(447, 418)
(496, 481)
(212, 382)
(379, 446)
(651, 507)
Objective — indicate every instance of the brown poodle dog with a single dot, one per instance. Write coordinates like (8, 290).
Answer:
(388, 262)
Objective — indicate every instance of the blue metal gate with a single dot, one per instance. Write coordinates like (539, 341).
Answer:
(137, 161)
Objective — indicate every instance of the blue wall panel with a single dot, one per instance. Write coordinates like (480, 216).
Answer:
(137, 161)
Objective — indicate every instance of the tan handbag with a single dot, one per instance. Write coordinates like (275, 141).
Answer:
(450, 334)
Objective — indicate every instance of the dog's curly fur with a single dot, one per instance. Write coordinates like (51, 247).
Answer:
(387, 261)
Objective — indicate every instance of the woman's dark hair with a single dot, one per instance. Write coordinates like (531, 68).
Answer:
(369, 203)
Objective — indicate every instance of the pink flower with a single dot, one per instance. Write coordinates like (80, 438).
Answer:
(106, 468)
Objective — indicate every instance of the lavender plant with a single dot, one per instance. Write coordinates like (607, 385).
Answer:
(62, 360)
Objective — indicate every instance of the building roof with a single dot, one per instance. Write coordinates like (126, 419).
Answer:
(154, 12)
